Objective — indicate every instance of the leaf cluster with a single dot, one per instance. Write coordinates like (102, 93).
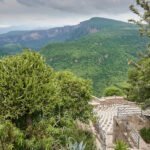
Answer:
(40, 105)
(143, 12)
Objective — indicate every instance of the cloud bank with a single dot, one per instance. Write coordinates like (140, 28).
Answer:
(60, 12)
(82, 6)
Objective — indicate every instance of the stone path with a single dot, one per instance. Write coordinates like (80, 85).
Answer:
(105, 109)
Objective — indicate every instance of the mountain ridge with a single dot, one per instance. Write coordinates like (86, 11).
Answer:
(38, 38)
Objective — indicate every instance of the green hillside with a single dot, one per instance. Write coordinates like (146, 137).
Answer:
(102, 57)
(10, 49)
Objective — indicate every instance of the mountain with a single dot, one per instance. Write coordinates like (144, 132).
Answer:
(101, 56)
(38, 38)
(96, 49)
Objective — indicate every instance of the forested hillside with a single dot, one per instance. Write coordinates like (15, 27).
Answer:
(102, 57)
(10, 49)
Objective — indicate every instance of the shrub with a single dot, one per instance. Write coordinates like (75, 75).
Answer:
(121, 145)
(145, 133)
(113, 91)
(39, 105)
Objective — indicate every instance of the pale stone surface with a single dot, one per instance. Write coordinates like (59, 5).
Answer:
(105, 109)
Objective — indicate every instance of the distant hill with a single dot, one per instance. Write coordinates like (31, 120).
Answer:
(102, 56)
(39, 38)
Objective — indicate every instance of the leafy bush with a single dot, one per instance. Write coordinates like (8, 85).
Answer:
(10, 136)
(39, 105)
(113, 91)
(145, 133)
(74, 145)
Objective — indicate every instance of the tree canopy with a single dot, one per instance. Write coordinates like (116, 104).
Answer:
(139, 74)
(38, 105)
(142, 10)
(139, 78)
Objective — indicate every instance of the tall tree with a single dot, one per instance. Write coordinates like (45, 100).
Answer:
(139, 75)
(143, 12)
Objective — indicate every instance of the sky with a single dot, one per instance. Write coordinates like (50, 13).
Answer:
(52, 13)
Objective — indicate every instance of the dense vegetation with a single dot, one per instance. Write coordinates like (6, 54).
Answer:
(139, 75)
(145, 133)
(113, 91)
(139, 79)
(10, 49)
(99, 49)
(39, 107)
(102, 57)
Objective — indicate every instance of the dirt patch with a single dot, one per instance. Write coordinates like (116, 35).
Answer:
(138, 122)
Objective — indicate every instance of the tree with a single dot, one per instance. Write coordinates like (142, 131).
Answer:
(139, 78)
(143, 14)
(113, 91)
(38, 104)
(75, 94)
(26, 86)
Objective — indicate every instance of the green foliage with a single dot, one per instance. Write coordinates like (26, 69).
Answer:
(113, 91)
(99, 51)
(10, 136)
(145, 133)
(39, 105)
(72, 93)
(139, 80)
(10, 49)
(101, 57)
(26, 80)
(121, 145)
(124, 87)
(143, 12)
(72, 145)
(82, 138)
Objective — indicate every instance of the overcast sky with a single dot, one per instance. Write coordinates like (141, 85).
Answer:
(47, 13)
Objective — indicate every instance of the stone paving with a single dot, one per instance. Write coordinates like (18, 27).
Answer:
(106, 108)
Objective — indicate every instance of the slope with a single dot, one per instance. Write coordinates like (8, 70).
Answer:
(102, 56)
(38, 38)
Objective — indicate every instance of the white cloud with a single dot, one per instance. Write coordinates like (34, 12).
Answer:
(4, 26)
(61, 12)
